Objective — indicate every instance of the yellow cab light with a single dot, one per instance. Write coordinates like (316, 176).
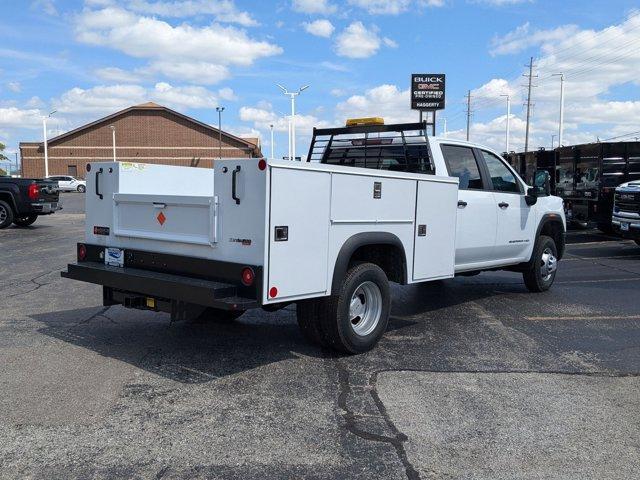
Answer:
(352, 122)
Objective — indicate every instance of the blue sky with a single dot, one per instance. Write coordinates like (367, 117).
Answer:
(87, 59)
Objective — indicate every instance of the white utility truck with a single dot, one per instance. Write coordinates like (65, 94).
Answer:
(374, 203)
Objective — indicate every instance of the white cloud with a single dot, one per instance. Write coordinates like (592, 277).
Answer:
(183, 97)
(389, 42)
(385, 101)
(524, 37)
(356, 41)
(319, 28)
(228, 94)
(118, 75)
(338, 92)
(16, 118)
(500, 3)
(382, 7)
(47, 6)
(262, 116)
(14, 87)
(188, 52)
(313, 6)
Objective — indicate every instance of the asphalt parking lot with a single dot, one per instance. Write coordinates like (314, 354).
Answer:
(475, 379)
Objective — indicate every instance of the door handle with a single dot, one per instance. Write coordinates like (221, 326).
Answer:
(462, 204)
(98, 172)
(503, 204)
(234, 178)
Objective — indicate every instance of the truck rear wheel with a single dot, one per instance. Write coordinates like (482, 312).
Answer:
(354, 320)
(25, 221)
(6, 215)
(541, 271)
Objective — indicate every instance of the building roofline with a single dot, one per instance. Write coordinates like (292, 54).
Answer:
(146, 106)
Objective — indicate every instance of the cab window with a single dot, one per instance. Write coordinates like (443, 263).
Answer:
(462, 163)
(502, 179)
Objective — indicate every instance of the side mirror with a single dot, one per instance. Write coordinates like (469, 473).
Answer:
(542, 183)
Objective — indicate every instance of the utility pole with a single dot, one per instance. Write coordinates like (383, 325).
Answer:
(16, 153)
(272, 145)
(530, 76)
(508, 121)
(468, 112)
(220, 110)
(561, 121)
(113, 140)
(292, 125)
(553, 137)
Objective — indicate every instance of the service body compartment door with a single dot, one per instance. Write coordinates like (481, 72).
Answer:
(435, 228)
(300, 202)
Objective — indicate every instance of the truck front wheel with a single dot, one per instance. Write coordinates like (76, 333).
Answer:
(541, 270)
(6, 215)
(355, 319)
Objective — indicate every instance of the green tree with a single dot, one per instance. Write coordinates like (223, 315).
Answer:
(3, 158)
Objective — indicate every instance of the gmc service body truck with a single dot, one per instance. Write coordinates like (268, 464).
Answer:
(374, 203)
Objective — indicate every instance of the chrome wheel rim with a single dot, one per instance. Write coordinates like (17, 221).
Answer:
(3, 214)
(548, 264)
(365, 308)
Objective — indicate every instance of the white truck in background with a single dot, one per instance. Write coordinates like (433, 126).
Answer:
(374, 203)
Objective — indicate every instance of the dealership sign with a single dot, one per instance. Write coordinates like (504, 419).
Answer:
(427, 91)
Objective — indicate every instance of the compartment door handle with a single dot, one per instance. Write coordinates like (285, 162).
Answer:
(234, 181)
(98, 172)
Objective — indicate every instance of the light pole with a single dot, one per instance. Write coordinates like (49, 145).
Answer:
(508, 120)
(46, 149)
(553, 137)
(561, 121)
(113, 137)
(272, 145)
(220, 110)
(292, 126)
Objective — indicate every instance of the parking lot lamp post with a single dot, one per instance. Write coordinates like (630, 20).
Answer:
(46, 149)
(272, 145)
(113, 137)
(220, 110)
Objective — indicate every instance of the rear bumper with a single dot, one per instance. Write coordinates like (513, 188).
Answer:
(161, 286)
(46, 208)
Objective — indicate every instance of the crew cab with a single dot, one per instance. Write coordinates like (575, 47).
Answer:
(626, 211)
(22, 200)
(372, 204)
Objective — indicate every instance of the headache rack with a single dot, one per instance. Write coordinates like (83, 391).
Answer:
(401, 147)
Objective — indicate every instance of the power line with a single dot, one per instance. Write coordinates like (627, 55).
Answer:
(622, 136)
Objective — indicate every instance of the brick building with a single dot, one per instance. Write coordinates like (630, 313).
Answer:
(147, 133)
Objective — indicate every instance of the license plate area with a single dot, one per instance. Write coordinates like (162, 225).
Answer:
(624, 226)
(114, 257)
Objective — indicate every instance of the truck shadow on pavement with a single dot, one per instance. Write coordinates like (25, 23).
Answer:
(201, 351)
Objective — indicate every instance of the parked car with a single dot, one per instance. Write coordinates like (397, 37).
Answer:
(67, 183)
(373, 204)
(626, 211)
(22, 200)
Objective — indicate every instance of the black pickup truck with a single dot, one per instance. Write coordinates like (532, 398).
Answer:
(23, 199)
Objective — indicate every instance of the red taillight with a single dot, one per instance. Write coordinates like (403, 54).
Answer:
(82, 252)
(33, 191)
(262, 164)
(248, 276)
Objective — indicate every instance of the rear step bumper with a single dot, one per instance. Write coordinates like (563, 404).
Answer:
(159, 285)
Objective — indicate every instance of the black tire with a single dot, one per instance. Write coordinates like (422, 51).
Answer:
(25, 221)
(6, 215)
(605, 227)
(218, 315)
(535, 277)
(309, 323)
(82, 188)
(334, 319)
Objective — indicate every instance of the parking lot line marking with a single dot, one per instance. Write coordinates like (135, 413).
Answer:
(583, 317)
(630, 279)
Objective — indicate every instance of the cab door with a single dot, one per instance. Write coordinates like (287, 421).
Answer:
(515, 219)
(476, 212)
